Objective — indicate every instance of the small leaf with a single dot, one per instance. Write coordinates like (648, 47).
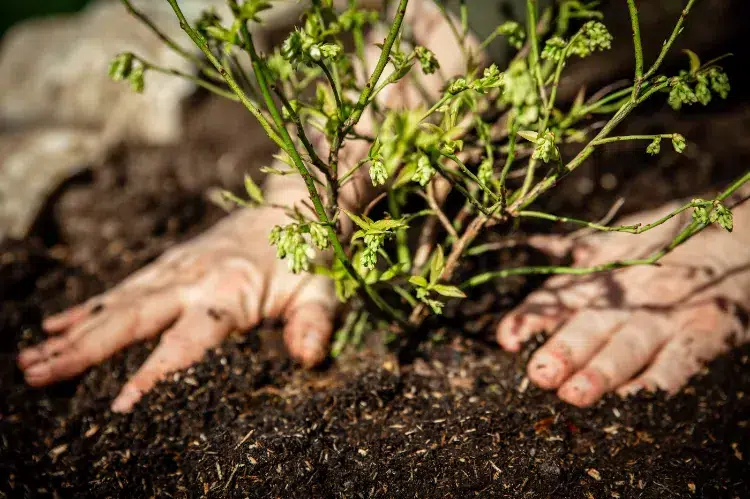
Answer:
(229, 196)
(388, 224)
(432, 128)
(357, 220)
(400, 72)
(678, 142)
(451, 291)
(390, 273)
(528, 135)
(253, 190)
(725, 218)
(695, 62)
(274, 171)
(700, 212)
(284, 158)
(437, 265)
(405, 175)
(654, 147)
(418, 281)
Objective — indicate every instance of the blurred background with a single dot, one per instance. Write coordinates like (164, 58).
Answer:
(13, 11)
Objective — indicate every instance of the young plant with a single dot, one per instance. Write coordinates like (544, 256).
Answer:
(306, 99)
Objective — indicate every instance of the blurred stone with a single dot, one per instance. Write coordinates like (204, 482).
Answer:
(60, 112)
(33, 164)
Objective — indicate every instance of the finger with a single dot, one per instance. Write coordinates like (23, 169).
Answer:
(534, 316)
(196, 331)
(309, 322)
(65, 319)
(573, 346)
(53, 346)
(629, 350)
(68, 356)
(548, 308)
(703, 334)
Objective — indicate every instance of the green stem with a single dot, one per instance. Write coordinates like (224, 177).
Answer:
(314, 158)
(531, 14)
(595, 107)
(402, 242)
(334, 87)
(621, 138)
(320, 210)
(201, 43)
(637, 47)
(546, 184)
(689, 231)
(460, 188)
(169, 42)
(513, 134)
(364, 97)
(471, 176)
(391, 78)
(449, 21)
(348, 175)
(668, 44)
(631, 229)
(201, 83)
(435, 107)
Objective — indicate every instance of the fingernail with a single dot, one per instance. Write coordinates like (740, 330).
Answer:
(125, 400)
(630, 390)
(508, 334)
(311, 341)
(576, 391)
(313, 352)
(547, 370)
(581, 383)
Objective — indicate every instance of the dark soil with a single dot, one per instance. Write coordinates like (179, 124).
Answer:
(458, 419)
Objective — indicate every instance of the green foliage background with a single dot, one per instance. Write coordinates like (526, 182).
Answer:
(14, 11)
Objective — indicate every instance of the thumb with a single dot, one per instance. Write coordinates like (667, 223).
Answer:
(309, 321)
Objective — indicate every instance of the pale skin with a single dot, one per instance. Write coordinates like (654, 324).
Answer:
(642, 327)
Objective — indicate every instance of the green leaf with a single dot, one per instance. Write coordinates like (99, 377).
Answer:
(654, 147)
(451, 291)
(274, 171)
(405, 175)
(418, 281)
(678, 142)
(529, 135)
(362, 223)
(388, 224)
(229, 196)
(284, 158)
(220, 33)
(695, 62)
(437, 265)
(253, 190)
(432, 128)
(400, 72)
(390, 273)
(724, 218)
(700, 212)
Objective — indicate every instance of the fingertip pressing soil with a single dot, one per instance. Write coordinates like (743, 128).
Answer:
(459, 419)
